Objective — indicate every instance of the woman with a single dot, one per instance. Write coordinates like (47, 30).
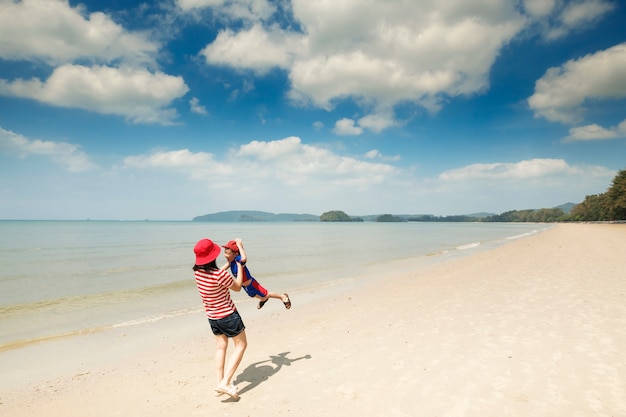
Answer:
(214, 285)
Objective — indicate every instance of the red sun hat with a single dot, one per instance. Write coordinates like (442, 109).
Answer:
(232, 245)
(206, 251)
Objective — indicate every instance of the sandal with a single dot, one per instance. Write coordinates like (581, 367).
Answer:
(287, 303)
(231, 391)
(262, 303)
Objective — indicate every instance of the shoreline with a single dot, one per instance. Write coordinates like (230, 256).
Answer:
(533, 327)
(39, 321)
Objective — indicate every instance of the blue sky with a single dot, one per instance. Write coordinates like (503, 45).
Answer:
(171, 109)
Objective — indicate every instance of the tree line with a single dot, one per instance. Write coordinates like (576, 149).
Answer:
(608, 206)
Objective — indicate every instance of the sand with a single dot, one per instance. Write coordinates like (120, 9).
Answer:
(536, 327)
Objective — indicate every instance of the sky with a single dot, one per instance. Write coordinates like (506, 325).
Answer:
(171, 109)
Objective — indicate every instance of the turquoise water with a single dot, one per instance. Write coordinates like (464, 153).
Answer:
(59, 278)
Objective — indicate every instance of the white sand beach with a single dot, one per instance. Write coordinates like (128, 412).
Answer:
(536, 327)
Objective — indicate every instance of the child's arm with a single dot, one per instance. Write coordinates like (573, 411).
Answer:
(242, 252)
(238, 282)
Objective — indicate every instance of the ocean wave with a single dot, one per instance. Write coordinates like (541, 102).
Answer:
(79, 302)
(18, 344)
(158, 317)
(468, 246)
(532, 232)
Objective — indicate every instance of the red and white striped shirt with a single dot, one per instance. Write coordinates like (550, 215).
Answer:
(214, 287)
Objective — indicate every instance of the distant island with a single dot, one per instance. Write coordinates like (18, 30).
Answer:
(255, 216)
(538, 215)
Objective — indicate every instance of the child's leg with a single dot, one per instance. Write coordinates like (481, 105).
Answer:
(282, 297)
(262, 294)
(262, 302)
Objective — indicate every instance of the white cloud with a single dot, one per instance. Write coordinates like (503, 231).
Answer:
(116, 74)
(377, 53)
(200, 166)
(346, 127)
(530, 184)
(562, 93)
(391, 57)
(595, 132)
(247, 10)
(260, 170)
(556, 19)
(291, 162)
(197, 4)
(534, 168)
(539, 8)
(66, 154)
(181, 159)
(375, 154)
(137, 94)
(579, 14)
(55, 32)
(305, 168)
(298, 177)
(383, 53)
(196, 107)
(377, 122)
(255, 48)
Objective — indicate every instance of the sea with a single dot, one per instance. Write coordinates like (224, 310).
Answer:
(60, 279)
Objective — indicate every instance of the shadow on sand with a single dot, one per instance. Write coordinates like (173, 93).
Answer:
(258, 372)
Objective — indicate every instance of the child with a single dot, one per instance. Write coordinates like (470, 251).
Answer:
(234, 253)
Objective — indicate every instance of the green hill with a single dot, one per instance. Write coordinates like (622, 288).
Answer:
(255, 216)
(567, 207)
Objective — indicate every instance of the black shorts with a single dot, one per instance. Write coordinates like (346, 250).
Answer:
(230, 326)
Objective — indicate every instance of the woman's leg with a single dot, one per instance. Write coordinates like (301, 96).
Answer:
(220, 356)
(241, 343)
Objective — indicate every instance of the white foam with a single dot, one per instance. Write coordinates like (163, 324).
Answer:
(468, 246)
